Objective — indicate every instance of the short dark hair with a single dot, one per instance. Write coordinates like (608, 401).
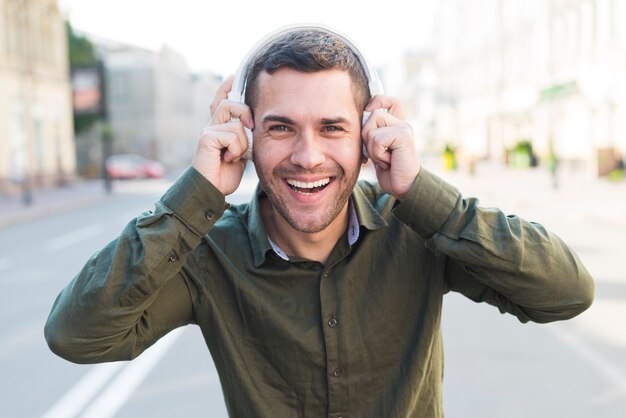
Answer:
(308, 51)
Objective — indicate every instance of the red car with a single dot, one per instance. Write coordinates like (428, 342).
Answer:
(131, 166)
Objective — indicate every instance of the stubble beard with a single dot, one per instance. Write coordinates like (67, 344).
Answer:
(318, 221)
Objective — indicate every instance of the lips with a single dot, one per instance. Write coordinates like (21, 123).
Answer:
(306, 187)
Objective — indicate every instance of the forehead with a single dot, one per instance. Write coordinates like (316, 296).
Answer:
(288, 89)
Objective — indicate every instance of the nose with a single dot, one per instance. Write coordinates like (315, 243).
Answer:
(307, 151)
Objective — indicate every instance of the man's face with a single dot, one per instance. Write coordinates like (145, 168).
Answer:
(307, 144)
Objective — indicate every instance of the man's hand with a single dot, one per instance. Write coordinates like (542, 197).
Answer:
(391, 147)
(223, 142)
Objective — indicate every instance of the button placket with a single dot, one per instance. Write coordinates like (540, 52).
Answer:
(329, 299)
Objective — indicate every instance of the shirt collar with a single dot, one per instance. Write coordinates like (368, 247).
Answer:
(352, 233)
(361, 212)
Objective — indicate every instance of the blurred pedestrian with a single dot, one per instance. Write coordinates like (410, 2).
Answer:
(552, 162)
(323, 295)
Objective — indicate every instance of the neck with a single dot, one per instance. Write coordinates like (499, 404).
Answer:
(315, 246)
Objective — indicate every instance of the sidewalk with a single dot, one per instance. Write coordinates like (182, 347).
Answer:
(579, 193)
(50, 201)
(495, 185)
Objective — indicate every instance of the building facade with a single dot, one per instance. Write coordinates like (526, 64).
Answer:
(36, 128)
(156, 107)
(548, 72)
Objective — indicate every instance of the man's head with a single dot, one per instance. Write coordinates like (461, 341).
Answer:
(307, 91)
(308, 50)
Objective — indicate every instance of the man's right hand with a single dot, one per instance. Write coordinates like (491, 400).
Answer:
(223, 142)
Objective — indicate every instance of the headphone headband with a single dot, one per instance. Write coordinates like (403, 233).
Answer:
(237, 92)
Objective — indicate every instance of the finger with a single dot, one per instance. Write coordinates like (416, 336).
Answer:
(228, 143)
(379, 118)
(392, 104)
(222, 93)
(236, 127)
(228, 110)
(377, 143)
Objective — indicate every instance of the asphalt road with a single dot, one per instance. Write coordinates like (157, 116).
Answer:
(495, 366)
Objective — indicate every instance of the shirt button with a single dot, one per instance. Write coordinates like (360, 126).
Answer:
(337, 372)
(173, 257)
(325, 276)
(210, 215)
(332, 322)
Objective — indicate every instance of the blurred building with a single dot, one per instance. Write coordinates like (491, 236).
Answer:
(36, 133)
(549, 72)
(153, 102)
(413, 79)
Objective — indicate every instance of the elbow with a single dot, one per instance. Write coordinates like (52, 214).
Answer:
(581, 295)
(67, 344)
(62, 343)
(565, 306)
(585, 297)
(65, 341)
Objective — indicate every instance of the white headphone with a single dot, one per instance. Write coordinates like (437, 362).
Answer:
(237, 92)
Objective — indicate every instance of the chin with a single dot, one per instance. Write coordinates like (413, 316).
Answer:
(310, 223)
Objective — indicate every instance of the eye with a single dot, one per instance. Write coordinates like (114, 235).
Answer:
(279, 131)
(279, 128)
(332, 128)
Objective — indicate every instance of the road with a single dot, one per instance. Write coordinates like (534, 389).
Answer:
(495, 366)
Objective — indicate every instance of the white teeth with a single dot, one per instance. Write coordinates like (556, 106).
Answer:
(305, 185)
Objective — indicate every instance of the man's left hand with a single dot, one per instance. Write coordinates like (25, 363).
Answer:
(390, 143)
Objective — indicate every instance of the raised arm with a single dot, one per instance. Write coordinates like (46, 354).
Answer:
(516, 265)
(140, 286)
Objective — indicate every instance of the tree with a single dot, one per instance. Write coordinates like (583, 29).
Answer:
(82, 53)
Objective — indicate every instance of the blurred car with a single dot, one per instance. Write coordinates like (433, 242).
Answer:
(132, 166)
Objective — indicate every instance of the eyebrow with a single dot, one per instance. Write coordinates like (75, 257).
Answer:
(288, 121)
(277, 118)
(334, 121)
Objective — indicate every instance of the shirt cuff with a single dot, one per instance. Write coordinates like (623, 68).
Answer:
(428, 204)
(195, 201)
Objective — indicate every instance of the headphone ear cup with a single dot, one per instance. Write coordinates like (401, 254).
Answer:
(248, 154)
(364, 119)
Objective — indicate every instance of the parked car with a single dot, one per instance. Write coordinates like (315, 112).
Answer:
(132, 166)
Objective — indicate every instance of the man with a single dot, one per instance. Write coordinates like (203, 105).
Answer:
(322, 296)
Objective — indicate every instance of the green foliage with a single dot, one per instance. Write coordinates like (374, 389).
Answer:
(522, 155)
(616, 175)
(81, 50)
(82, 53)
(82, 123)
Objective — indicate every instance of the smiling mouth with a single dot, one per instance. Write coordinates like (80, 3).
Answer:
(308, 187)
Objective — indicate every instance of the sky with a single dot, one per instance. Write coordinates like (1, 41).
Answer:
(215, 35)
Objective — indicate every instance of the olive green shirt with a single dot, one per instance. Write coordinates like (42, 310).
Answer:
(359, 336)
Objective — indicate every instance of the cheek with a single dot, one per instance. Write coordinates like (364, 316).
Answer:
(266, 157)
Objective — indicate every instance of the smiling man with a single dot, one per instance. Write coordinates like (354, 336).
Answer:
(323, 295)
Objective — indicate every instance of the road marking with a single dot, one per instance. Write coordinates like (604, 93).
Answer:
(124, 385)
(74, 237)
(117, 391)
(604, 367)
(82, 392)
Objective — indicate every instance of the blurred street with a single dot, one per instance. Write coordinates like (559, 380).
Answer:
(495, 366)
